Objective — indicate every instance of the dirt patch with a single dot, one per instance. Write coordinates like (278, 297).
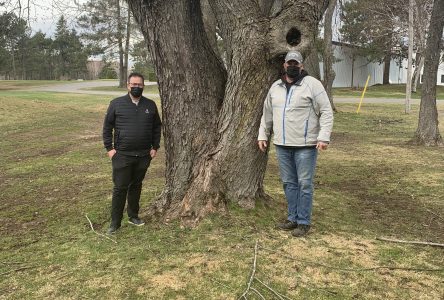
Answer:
(167, 280)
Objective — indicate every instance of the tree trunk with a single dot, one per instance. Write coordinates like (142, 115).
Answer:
(311, 64)
(211, 116)
(329, 74)
(386, 75)
(427, 132)
(122, 72)
(127, 42)
(352, 71)
(417, 72)
(421, 22)
(408, 86)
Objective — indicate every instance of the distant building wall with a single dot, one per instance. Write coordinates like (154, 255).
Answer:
(94, 68)
(362, 68)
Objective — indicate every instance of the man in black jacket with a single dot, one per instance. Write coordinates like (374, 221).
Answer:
(137, 126)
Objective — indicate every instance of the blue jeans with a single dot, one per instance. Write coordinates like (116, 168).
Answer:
(297, 167)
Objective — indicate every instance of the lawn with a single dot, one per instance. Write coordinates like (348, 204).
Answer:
(24, 84)
(370, 183)
(384, 91)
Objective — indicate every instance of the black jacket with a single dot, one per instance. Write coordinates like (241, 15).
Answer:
(136, 127)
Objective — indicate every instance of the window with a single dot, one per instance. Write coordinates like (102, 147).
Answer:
(442, 78)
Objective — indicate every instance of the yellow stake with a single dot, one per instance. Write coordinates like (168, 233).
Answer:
(363, 92)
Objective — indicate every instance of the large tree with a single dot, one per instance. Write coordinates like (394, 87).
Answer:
(211, 110)
(107, 26)
(427, 132)
(69, 54)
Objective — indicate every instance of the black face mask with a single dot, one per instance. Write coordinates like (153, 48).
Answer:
(136, 91)
(293, 71)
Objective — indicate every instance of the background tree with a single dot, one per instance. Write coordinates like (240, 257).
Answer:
(421, 15)
(211, 111)
(13, 35)
(69, 54)
(427, 132)
(329, 74)
(39, 58)
(142, 61)
(377, 29)
(108, 71)
(106, 24)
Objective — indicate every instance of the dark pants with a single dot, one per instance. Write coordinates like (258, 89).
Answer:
(128, 174)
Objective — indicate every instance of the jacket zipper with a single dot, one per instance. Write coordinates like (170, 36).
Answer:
(287, 100)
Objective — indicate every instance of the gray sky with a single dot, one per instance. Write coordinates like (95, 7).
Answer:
(44, 14)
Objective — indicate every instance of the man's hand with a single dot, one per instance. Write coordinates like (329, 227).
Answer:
(321, 145)
(153, 153)
(262, 145)
(111, 153)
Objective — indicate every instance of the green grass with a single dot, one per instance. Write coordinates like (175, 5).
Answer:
(370, 183)
(384, 91)
(23, 84)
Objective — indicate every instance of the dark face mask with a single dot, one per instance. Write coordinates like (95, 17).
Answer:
(293, 71)
(136, 91)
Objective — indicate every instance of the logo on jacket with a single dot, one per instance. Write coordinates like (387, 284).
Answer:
(147, 111)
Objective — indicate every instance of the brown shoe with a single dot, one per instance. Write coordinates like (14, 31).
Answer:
(301, 230)
(287, 225)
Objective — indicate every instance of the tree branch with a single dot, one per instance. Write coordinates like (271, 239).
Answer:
(409, 242)
(252, 272)
(271, 290)
(100, 234)
(18, 269)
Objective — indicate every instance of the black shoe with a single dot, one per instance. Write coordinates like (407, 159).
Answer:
(287, 225)
(113, 228)
(136, 221)
(301, 230)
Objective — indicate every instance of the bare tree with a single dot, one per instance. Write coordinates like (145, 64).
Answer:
(211, 112)
(427, 132)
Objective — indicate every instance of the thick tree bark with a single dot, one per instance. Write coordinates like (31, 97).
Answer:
(329, 74)
(427, 132)
(211, 114)
(386, 74)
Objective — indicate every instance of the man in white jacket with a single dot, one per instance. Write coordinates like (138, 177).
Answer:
(298, 112)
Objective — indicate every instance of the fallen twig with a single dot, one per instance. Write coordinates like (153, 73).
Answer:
(252, 273)
(409, 242)
(11, 263)
(100, 234)
(17, 270)
(271, 290)
(258, 293)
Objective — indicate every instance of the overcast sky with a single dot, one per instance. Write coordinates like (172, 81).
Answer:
(44, 14)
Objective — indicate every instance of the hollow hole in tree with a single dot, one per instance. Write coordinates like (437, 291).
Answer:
(293, 36)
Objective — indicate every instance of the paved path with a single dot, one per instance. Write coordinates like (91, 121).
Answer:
(79, 87)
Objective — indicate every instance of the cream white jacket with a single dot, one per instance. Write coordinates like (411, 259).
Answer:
(301, 116)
